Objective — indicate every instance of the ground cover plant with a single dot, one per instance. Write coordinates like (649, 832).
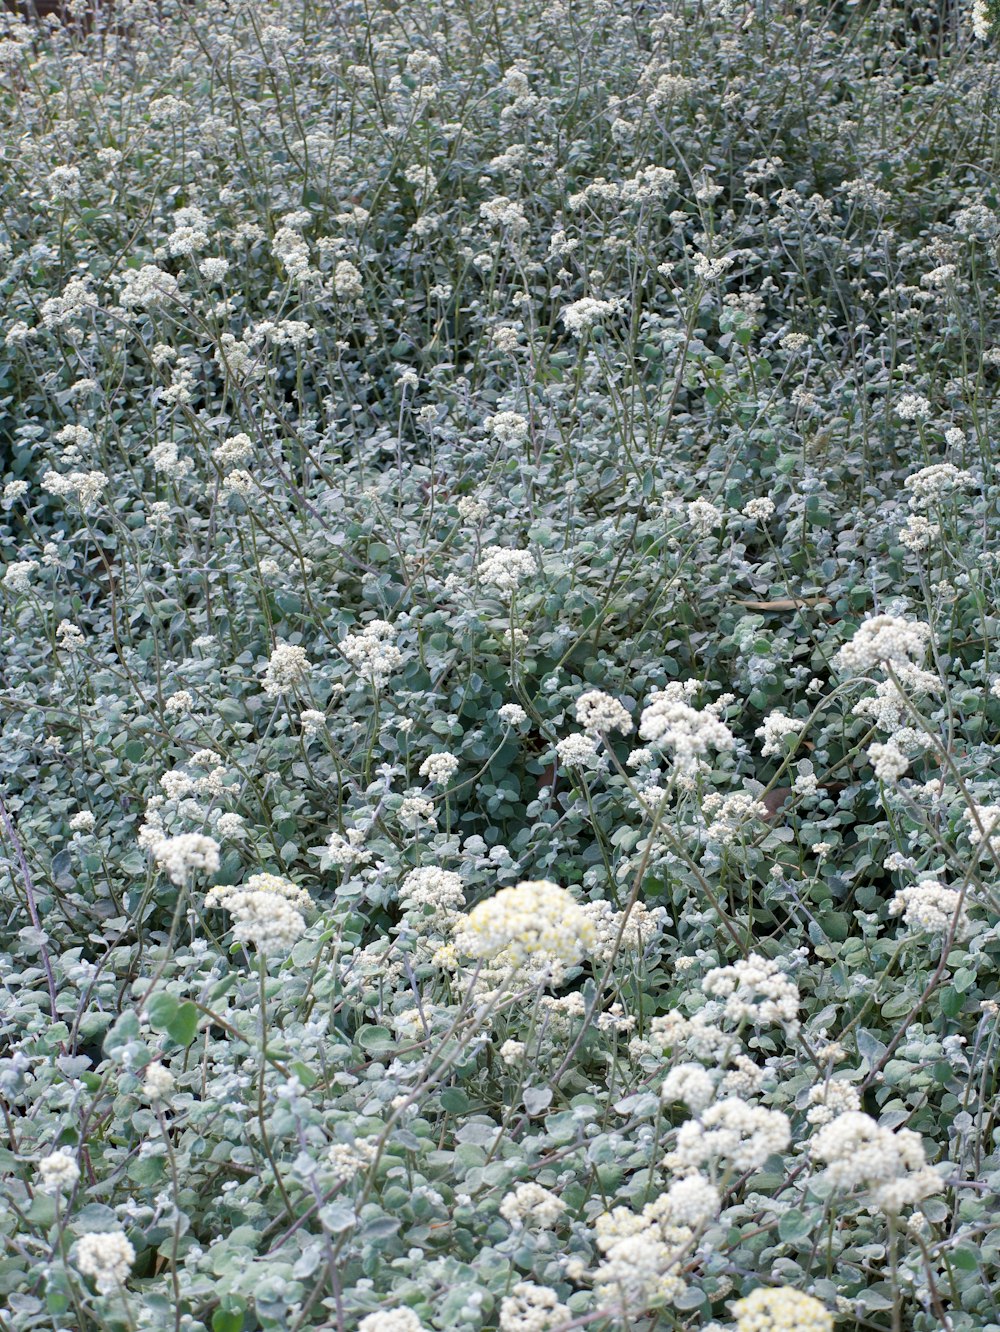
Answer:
(499, 667)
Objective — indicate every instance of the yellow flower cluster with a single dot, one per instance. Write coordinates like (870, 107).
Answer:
(781, 1310)
(535, 921)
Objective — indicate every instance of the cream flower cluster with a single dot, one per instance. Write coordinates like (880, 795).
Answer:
(643, 1254)
(733, 1131)
(266, 910)
(782, 1309)
(58, 1171)
(535, 922)
(439, 769)
(776, 726)
(441, 890)
(932, 484)
(669, 721)
(287, 667)
(531, 1204)
(391, 1320)
(371, 654)
(583, 314)
(885, 639)
(598, 712)
(623, 933)
(186, 854)
(532, 1308)
(506, 569)
(107, 1256)
(929, 907)
(890, 1166)
(831, 1098)
(726, 815)
(755, 990)
(347, 1160)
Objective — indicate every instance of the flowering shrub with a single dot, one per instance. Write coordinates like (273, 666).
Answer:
(500, 687)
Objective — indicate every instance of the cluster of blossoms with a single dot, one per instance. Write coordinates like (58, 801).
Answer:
(775, 727)
(732, 1131)
(532, 1308)
(755, 990)
(506, 569)
(885, 640)
(438, 891)
(598, 712)
(184, 855)
(643, 1258)
(439, 769)
(287, 667)
(782, 1309)
(890, 1166)
(532, 1205)
(671, 723)
(266, 910)
(58, 1171)
(371, 654)
(929, 907)
(536, 925)
(107, 1256)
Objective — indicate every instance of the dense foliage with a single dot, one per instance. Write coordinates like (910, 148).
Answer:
(499, 677)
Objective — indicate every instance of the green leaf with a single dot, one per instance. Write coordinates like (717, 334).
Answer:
(226, 1320)
(184, 1027)
(794, 1225)
(161, 1010)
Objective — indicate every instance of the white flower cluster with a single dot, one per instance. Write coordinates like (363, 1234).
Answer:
(531, 1308)
(774, 729)
(885, 639)
(58, 1171)
(599, 713)
(507, 428)
(535, 924)
(726, 816)
(531, 1204)
(703, 517)
(157, 1083)
(691, 1085)
(186, 854)
(890, 1166)
(266, 910)
(17, 575)
(782, 1309)
(506, 569)
(984, 829)
(831, 1098)
(287, 667)
(932, 484)
(623, 933)
(107, 1256)
(929, 907)
(439, 889)
(147, 287)
(582, 315)
(643, 1257)
(346, 1160)
(733, 1131)
(439, 769)
(579, 750)
(391, 1320)
(86, 486)
(755, 990)
(371, 654)
(670, 722)
(349, 850)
